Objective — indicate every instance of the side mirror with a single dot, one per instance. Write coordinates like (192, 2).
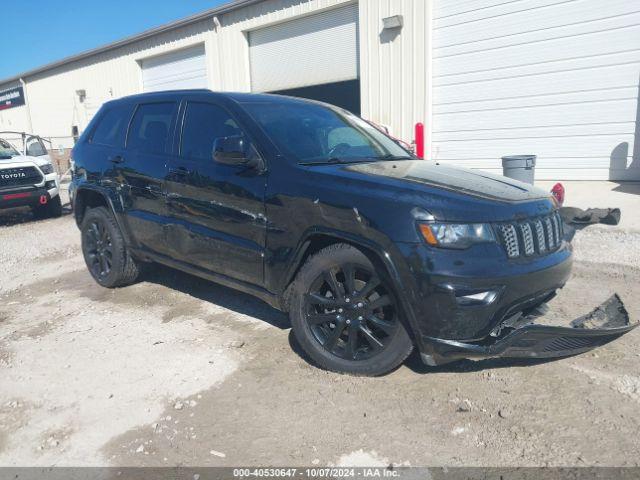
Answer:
(230, 150)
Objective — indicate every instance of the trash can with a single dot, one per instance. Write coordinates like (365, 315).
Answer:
(519, 167)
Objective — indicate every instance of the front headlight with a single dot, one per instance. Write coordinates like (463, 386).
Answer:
(455, 235)
(47, 168)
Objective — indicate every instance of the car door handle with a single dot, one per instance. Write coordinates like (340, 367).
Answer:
(116, 159)
(180, 172)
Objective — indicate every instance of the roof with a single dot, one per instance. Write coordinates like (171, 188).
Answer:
(239, 97)
(225, 8)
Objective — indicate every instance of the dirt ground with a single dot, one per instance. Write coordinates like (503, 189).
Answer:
(178, 371)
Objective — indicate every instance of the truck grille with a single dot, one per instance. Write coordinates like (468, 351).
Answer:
(19, 177)
(532, 237)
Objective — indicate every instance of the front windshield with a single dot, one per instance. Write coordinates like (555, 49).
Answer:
(6, 150)
(313, 134)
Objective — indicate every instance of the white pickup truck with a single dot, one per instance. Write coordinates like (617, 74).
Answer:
(28, 177)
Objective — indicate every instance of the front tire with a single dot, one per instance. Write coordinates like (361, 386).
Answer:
(345, 314)
(104, 250)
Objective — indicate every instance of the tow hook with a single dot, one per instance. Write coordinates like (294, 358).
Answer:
(43, 199)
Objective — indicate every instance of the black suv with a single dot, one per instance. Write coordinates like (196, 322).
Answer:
(319, 214)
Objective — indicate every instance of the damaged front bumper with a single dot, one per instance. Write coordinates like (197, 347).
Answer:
(604, 324)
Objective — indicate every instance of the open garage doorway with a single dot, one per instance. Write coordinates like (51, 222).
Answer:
(343, 94)
(315, 56)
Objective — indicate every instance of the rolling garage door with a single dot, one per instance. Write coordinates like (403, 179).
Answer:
(315, 56)
(555, 78)
(178, 70)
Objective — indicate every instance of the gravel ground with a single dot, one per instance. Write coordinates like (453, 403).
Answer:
(178, 371)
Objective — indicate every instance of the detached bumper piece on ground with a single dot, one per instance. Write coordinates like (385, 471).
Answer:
(576, 216)
(603, 325)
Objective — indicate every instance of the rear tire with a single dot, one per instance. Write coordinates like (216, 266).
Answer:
(51, 209)
(345, 314)
(104, 250)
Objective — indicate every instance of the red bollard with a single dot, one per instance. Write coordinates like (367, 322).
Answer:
(420, 140)
(558, 192)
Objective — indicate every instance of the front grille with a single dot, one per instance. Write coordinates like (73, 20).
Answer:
(19, 177)
(537, 236)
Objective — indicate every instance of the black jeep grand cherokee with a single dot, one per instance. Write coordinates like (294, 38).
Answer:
(311, 209)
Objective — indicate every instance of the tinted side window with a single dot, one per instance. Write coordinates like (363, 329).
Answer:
(111, 126)
(150, 127)
(203, 123)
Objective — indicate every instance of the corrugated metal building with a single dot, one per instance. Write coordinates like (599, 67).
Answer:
(558, 78)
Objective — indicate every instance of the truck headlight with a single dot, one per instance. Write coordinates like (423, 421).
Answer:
(47, 168)
(456, 235)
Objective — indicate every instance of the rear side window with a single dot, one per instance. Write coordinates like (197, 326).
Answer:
(111, 126)
(203, 123)
(149, 132)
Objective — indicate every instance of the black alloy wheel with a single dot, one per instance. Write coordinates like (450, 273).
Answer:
(350, 312)
(346, 316)
(105, 251)
(99, 249)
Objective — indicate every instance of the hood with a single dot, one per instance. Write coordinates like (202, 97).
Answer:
(454, 179)
(25, 159)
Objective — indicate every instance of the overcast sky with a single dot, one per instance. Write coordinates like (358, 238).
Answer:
(36, 32)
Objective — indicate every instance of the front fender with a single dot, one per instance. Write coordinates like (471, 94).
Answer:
(386, 254)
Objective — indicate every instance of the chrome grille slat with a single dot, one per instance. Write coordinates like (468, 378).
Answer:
(527, 238)
(549, 229)
(542, 244)
(560, 224)
(510, 238)
(538, 236)
(556, 228)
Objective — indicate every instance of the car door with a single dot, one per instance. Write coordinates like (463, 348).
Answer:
(35, 147)
(142, 168)
(217, 210)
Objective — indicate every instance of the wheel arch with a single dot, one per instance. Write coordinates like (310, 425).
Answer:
(87, 197)
(316, 240)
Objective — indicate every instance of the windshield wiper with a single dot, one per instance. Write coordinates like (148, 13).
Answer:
(346, 161)
(392, 157)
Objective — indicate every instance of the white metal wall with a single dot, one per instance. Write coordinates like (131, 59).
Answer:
(52, 97)
(395, 64)
(556, 78)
